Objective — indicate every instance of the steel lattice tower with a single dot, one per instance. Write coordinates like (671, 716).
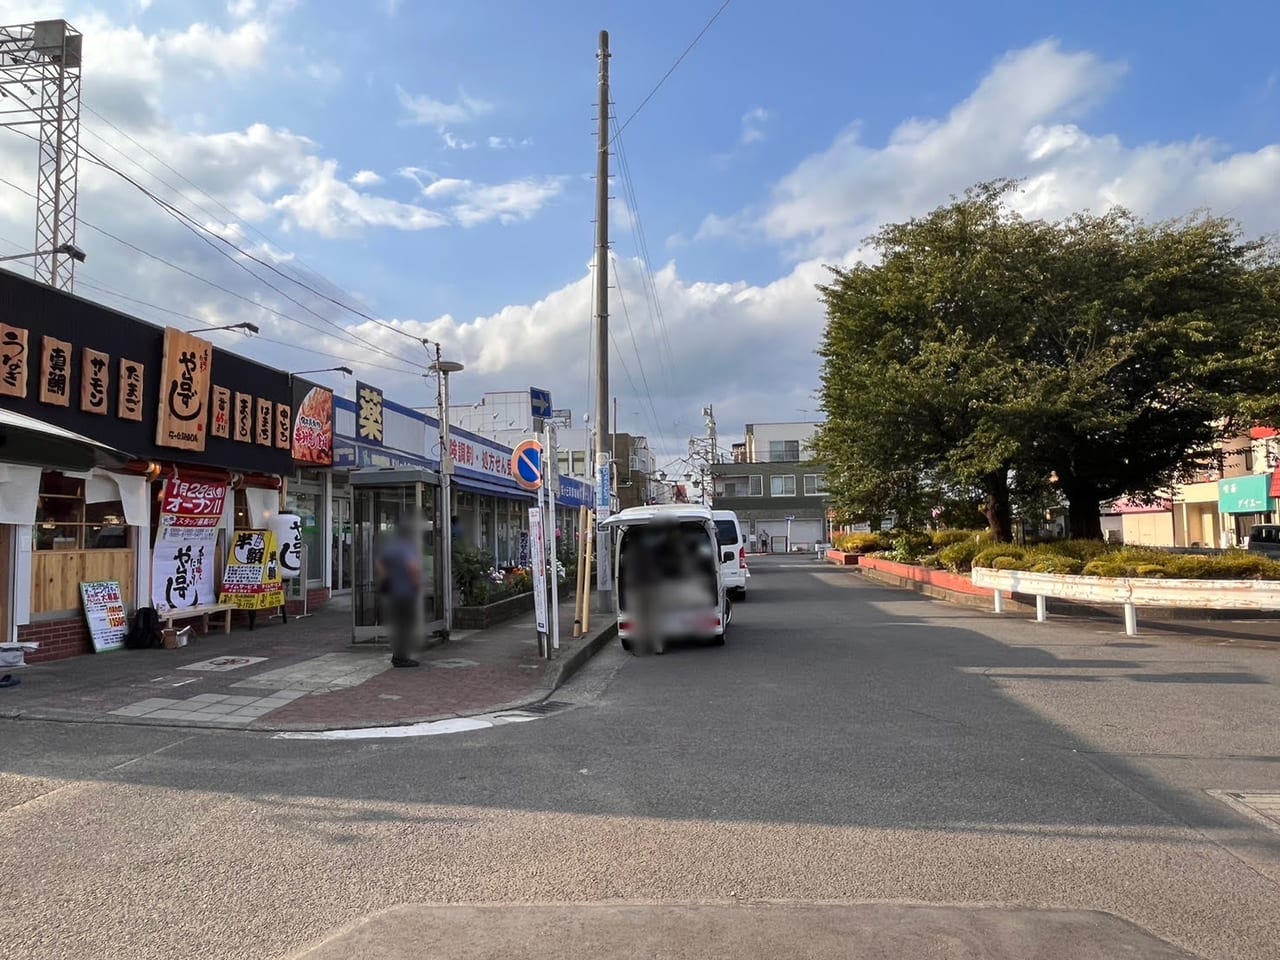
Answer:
(42, 59)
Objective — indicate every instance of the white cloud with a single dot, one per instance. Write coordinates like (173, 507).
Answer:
(509, 143)
(422, 110)
(475, 203)
(753, 123)
(240, 9)
(241, 49)
(330, 207)
(365, 178)
(454, 142)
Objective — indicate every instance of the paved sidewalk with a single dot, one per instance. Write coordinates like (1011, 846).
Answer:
(304, 675)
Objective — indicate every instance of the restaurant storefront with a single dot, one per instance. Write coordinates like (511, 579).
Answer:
(157, 408)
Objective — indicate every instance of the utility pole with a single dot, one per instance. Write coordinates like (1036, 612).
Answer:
(604, 542)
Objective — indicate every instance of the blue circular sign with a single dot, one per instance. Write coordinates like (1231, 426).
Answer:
(526, 464)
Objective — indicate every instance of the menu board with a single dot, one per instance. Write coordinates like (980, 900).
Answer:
(104, 609)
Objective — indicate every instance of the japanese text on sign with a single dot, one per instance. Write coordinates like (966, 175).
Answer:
(130, 405)
(369, 413)
(13, 361)
(189, 503)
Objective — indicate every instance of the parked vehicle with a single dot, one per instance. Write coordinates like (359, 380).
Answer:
(730, 536)
(669, 576)
(1264, 538)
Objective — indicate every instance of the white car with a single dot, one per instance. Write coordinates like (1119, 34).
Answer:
(731, 539)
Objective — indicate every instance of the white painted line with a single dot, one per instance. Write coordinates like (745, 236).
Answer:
(223, 664)
(433, 728)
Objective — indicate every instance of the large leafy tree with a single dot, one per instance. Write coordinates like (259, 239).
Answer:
(1101, 353)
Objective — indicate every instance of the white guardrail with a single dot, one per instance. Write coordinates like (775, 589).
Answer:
(1130, 593)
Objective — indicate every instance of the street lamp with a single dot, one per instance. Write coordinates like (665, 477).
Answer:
(442, 369)
(345, 371)
(67, 249)
(249, 328)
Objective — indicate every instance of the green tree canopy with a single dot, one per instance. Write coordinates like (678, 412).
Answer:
(1100, 351)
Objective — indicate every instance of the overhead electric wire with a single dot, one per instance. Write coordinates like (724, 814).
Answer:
(622, 299)
(205, 233)
(657, 317)
(256, 337)
(680, 59)
(235, 218)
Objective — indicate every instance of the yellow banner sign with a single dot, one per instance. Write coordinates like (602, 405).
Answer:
(252, 578)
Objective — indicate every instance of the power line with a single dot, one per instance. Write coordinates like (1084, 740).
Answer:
(235, 218)
(657, 422)
(657, 317)
(256, 338)
(204, 232)
(714, 17)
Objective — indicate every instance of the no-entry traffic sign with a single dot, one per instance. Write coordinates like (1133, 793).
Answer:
(526, 464)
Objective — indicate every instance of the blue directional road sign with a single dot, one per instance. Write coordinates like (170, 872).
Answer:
(540, 402)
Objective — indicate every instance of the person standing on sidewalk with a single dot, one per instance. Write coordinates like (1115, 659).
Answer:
(400, 572)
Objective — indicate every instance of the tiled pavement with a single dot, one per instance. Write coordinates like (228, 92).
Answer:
(304, 675)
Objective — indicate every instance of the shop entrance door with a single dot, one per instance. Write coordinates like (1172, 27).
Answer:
(380, 499)
(343, 541)
(6, 583)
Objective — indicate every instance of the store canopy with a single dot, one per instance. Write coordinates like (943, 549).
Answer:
(26, 440)
(492, 488)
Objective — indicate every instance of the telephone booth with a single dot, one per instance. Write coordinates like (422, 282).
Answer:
(380, 499)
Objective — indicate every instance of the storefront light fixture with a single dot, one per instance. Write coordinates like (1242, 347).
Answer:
(345, 371)
(67, 249)
(249, 328)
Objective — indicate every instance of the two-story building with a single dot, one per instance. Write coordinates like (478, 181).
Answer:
(775, 488)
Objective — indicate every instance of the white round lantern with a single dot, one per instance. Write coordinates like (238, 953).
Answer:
(287, 528)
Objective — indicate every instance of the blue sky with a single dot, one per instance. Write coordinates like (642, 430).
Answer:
(788, 134)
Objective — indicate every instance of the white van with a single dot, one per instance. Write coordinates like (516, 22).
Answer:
(669, 580)
(730, 536)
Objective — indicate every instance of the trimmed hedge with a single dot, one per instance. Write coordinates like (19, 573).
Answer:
(859, 542)
(1130, 562)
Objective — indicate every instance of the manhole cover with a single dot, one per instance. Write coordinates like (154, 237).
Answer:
(1260, 806)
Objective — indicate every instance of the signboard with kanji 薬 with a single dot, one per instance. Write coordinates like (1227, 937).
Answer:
(184, 391)
(369, 414)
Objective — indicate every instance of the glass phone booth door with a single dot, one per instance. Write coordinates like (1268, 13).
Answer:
(380, 499)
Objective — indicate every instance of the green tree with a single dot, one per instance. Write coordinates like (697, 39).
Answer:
(1101, 352)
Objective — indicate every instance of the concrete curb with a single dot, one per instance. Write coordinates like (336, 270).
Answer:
(556, 676)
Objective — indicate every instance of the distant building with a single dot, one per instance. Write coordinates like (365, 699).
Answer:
(790, 442)
(776, 479)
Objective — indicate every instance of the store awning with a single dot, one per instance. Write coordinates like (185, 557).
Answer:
(492, 488)
(27, 440)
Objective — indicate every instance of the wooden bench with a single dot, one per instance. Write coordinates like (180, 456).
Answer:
(204, 611)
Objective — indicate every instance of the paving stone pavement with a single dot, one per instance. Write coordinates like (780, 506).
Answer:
(304, 675)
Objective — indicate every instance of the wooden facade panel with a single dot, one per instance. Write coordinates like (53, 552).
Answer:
(56, 576)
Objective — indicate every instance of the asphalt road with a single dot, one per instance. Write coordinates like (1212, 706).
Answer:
(851, 744)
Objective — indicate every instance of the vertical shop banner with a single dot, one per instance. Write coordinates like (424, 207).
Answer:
(538, 554)
(220, 423)
(129, 405)
(55, 371)
(182, 563)
(104, 610)
(370, 422)
(312, 424)
(95, 374)
(13, 361)
(252, 578)
(184, 391)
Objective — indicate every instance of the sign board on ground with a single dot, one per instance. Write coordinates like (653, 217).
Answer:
(252, 578)
(538, 556)
(104, 609)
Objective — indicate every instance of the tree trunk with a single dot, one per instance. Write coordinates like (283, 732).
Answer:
(997, 506)
(1085, 517)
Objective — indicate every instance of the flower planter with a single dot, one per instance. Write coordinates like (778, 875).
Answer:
(842, 558)
(479, 618)
(908, 574)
